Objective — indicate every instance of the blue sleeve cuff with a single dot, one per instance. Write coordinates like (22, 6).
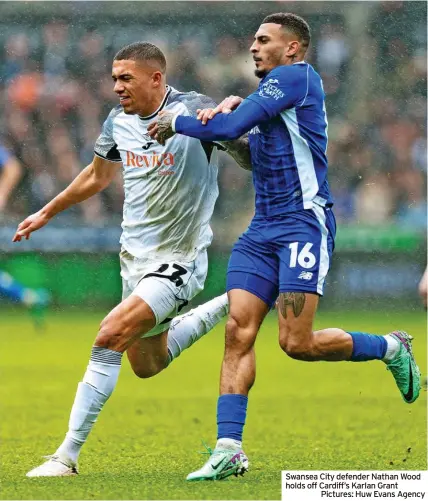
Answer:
(175, 124)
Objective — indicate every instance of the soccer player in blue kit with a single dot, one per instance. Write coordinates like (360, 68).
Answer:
(287, 248)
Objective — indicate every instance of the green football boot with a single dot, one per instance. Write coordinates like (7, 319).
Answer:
(404, 368)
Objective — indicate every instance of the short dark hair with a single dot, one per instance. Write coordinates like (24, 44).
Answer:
(142, 51)
(296, 24)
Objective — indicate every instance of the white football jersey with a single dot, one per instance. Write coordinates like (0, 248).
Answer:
(170, 190)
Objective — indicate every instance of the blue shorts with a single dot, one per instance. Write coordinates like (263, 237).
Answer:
(290, 253)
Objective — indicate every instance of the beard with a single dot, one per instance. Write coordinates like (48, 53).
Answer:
(260, 73)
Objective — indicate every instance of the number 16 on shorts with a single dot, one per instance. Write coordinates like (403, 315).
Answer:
(304, 258)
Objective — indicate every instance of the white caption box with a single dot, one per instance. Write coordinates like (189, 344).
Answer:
(354, 485)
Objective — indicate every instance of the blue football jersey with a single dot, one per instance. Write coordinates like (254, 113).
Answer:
(288, 151)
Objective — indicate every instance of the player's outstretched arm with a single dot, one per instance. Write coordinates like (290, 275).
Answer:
(93, 179)
(239, 149)
(223, 127)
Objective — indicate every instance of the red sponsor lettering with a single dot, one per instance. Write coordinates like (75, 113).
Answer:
(169, 159)
(146, 160)
(138, 161)
(130, 158)
(152, 160)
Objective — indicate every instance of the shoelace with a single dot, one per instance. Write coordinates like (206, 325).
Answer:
(209, 451)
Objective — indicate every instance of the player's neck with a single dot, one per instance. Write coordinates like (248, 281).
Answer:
(293, 60)
(155, 105)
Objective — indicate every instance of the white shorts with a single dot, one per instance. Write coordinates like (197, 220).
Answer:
(165, 287)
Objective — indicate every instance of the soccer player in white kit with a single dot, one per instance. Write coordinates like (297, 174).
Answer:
(170, 192)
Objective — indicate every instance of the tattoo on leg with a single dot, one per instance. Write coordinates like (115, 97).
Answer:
(294, 299)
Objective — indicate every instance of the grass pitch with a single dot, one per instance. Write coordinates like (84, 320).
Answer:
(301, 416)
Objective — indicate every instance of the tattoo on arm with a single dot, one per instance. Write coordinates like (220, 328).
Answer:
(239, 150)
(294, 299)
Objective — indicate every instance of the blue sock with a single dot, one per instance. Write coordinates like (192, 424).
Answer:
(367, 347)
(10, 288)
(231, 414)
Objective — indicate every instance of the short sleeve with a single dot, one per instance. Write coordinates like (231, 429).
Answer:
(283, 88)
(105, 146)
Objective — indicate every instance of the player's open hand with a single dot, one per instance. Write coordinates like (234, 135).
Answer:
(30, 224)
(226, 106)
(161, 129)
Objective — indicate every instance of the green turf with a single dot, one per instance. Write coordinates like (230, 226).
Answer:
(301, 415)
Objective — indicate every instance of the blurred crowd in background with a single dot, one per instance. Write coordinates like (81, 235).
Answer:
(56, 90)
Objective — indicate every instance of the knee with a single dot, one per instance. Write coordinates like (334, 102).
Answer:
(295, 348)
(239, 338)
(111, 334)
(232, 328)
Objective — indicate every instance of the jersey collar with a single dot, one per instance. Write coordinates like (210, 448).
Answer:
(263, 79)
(162, 105)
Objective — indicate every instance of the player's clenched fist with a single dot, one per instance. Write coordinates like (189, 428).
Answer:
(161, 129)
(226, 106)
(30, 224)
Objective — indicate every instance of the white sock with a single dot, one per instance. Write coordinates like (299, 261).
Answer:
(92, 393)
(228, 443)
(392, 349)
(188, 328)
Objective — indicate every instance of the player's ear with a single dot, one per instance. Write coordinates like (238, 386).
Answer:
(293, 48)
(157, 78)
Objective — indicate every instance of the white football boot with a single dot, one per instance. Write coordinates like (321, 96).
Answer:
(56, 466)
(221, 464)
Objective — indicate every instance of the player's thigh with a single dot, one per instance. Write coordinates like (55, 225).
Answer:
(296, 314)
(305, 256)
(305, 250)
(252, 286)
(253, 268)
(167, 287)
